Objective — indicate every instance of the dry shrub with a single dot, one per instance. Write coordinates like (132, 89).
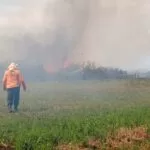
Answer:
(127, 138)
(123, 138)
(91, 144)
(4, 146)
(94, 144)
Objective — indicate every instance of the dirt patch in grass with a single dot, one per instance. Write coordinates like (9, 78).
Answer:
(127, 138)
(124, 138)
(4, 146)
(70, 146)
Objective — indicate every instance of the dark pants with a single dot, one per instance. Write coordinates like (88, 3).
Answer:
(13, 97)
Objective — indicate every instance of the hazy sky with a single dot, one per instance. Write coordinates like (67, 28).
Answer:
(119, 33)
(111, 32)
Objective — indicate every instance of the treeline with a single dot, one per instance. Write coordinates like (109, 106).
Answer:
(89, 71)
(86, 71)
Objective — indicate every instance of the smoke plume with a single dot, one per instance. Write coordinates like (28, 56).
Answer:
(57, 32)
(51, 38)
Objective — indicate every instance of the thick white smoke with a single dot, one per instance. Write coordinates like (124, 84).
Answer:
(46, 32)
(109, 32)
(118, 32)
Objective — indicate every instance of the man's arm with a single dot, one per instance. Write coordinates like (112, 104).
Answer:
(22, 82)
(4, 80)
(24, 85)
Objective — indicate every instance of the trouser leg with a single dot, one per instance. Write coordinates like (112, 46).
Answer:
(10, 98)
(16, 98)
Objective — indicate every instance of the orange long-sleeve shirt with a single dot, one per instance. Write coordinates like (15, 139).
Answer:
(13, 79)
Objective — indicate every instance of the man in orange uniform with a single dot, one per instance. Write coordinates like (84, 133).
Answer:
(12, 81)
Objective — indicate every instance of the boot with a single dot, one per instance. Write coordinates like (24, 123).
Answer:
(10, 109)
(15, 109)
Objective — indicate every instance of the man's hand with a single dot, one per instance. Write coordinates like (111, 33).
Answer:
(24, 86)
(25, 89)
(4, 88)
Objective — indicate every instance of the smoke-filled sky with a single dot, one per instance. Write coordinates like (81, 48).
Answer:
(110, 32)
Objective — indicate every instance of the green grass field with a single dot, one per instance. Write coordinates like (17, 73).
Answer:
(55, 114)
